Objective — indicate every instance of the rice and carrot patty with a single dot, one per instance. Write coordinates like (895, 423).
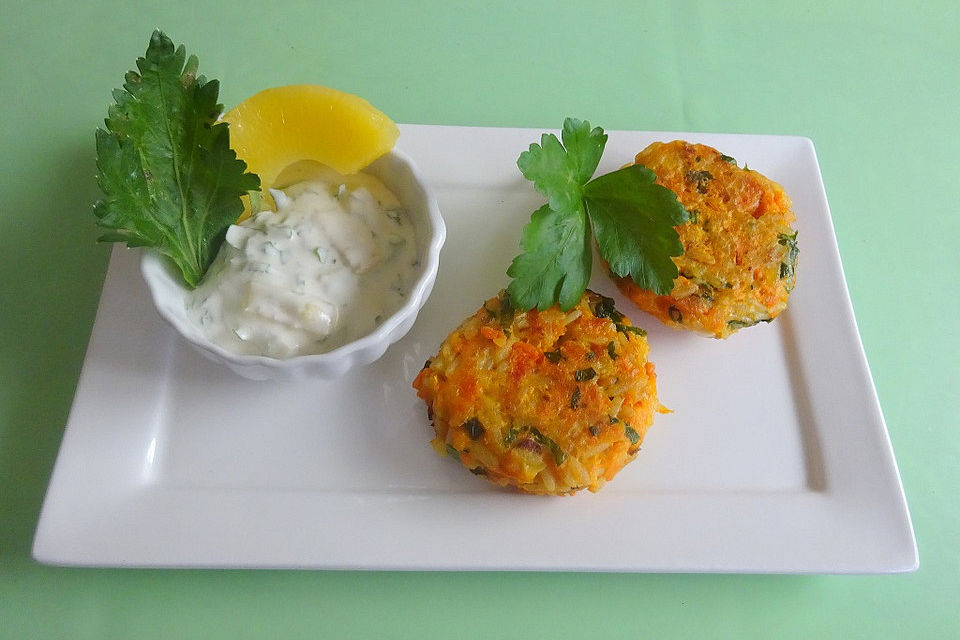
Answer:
(548, 402)
(740, 252)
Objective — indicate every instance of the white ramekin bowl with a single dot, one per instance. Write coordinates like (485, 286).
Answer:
(398, 172)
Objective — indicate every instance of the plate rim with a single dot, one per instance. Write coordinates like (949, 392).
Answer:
(53, 545)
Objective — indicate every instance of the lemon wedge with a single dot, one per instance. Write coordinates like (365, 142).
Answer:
(279, 127)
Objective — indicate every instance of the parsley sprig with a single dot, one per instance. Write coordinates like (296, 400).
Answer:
(169, 178)
(631, 216)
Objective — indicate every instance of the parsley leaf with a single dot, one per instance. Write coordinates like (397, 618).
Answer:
(634, 219)
(556, 261)
(558, 171)
(169, 178)
(631, 216)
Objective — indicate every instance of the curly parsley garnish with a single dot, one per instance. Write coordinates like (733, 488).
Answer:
(169, 178)
(632, 217)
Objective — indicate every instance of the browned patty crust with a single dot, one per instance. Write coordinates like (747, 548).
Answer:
(547, 402)
(740, 252)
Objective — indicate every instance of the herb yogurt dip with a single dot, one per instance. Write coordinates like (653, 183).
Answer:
(336, 258)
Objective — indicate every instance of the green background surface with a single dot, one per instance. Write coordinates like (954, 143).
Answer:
(875, 85)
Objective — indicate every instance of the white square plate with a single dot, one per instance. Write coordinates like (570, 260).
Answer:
(776, 458)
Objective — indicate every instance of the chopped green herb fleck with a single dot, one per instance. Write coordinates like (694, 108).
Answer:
(787, 239)
(729, 159)
(614, 420)
(606, 309)
(789, 264)
(741, 324)
(507, 310)
(559, 455)
(675, 314)
(473, 428)
(705, 291)
(582, 375)
(552, 356)
(575, 398)
(700, 178)
(612, 351)
(452, 452)
(594, 430)
(629, 328)
(631, 434)
(531, 444)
